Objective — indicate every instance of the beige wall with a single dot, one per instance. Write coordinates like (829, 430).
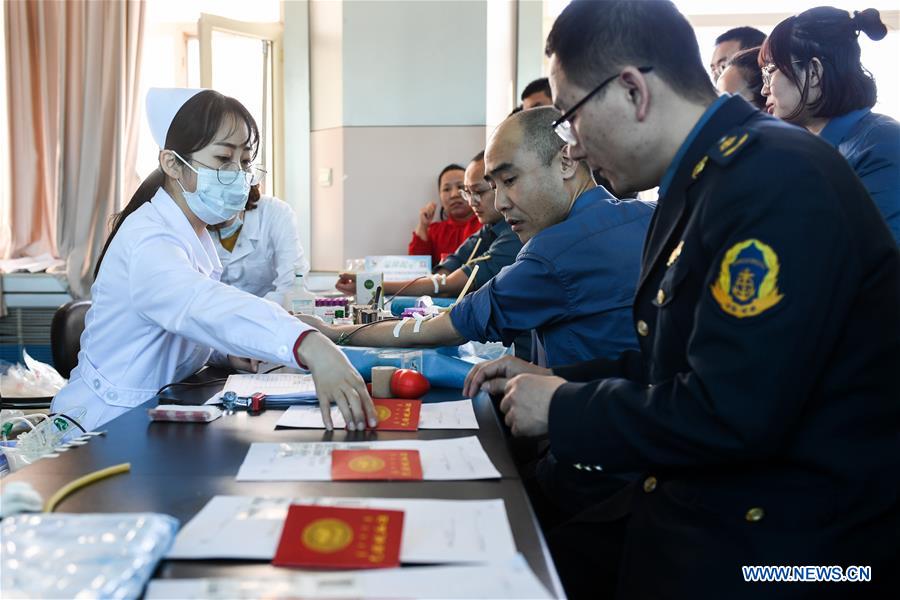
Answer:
(396, 94)
(297, 115)
(326, 64)
(529, 43)
(327, 202)
(381, 176)
(391, 172)
(4, 144)
(500, 82)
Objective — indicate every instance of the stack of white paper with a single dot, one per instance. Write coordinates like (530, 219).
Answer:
(458, 414)
(509, 579)
(279, 388)
(450, 459)
(434, 531)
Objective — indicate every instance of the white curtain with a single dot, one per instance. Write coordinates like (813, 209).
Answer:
(4, 153)
(73, 85)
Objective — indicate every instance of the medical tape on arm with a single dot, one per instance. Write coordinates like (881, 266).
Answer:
(418, 318)
(399, 326)
(434, 280)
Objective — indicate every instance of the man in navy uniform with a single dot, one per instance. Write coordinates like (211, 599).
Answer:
(762, 408)
(574, 276)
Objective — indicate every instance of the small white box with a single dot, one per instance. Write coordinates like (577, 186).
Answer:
(366, 284)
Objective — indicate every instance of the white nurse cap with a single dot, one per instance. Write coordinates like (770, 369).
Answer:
(162, 106)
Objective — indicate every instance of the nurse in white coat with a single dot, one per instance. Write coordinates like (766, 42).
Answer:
(159, 310)
(260, 248)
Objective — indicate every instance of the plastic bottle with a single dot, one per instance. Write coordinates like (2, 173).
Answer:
(299, 300)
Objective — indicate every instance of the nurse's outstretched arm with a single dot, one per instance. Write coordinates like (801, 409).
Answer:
(166, 289)
(336, 381)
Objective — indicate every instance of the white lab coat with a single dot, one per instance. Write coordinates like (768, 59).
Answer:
(267, 252)
(158, 313)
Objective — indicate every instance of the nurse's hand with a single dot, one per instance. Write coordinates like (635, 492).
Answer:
(337, 381)
(346, 283)
(491, 376)
(250, 365)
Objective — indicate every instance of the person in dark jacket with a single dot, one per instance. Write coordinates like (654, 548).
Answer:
(813, 77)
(761, 409)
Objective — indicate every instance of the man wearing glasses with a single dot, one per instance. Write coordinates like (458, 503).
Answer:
(492, 247)
(573, 281)
(762, 408)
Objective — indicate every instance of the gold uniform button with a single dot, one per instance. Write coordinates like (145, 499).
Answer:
(642, 328)
(650, 484)
(660, 297)
(755, 514)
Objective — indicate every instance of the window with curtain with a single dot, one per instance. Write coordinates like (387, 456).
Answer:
(72, 69)
(241, 66)
(4, 149)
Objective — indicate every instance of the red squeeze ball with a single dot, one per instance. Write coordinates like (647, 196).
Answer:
(409, 384)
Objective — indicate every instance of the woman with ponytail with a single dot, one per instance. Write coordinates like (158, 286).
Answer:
(813, 77)
(159, 311)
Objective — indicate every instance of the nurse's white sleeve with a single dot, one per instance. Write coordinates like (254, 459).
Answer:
(289, 256)
(165, 288)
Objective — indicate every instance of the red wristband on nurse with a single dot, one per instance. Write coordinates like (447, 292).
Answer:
(297, 347)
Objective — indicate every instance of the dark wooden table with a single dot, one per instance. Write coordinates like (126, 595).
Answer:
(176, 468)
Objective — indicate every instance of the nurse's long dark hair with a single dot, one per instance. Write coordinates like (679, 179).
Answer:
(194, 127)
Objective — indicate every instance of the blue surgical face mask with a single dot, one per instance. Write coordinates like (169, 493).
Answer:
(215, 202)
(229, 230)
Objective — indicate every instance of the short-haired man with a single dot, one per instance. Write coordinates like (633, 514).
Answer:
(730, 43)
(762, 409)
(572, 282)
(537, 93)
(492, 247)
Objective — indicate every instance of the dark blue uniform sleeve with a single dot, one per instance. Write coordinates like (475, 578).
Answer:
(456, 260)
(501, 253)
(878, 166)
(749, 378)
(524, 296)
(629, 365)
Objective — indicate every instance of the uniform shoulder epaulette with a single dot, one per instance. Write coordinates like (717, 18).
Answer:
(730, 145)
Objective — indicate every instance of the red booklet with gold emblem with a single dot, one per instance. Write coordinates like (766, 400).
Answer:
(340, 538)
(397, 415)
(379, 465)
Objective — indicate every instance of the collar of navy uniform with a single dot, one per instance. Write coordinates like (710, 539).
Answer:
(500, 227)
(202, 246)
(682, 150)
(837, 128)
(586, 198)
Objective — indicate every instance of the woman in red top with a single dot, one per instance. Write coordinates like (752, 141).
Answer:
(457, 222)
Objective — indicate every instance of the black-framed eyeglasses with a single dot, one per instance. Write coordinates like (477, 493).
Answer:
(563, 125)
